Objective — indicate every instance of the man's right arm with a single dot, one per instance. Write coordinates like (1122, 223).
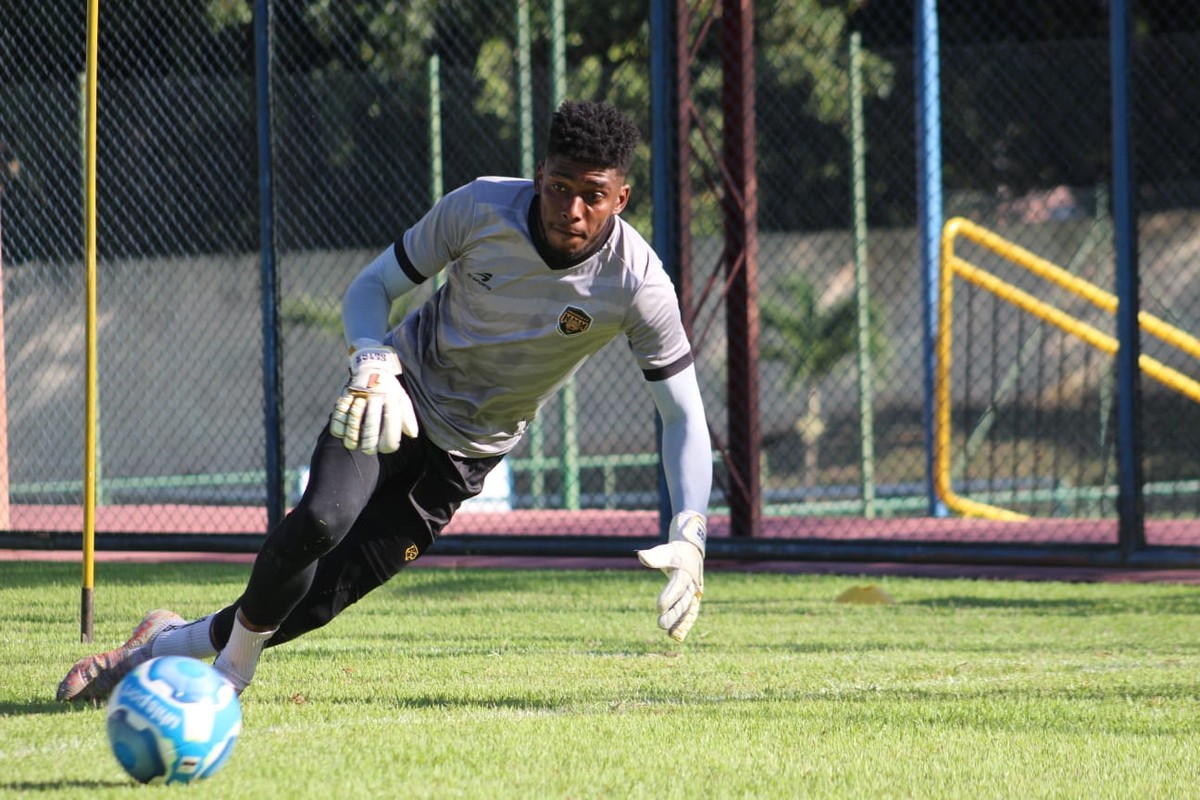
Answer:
(368, 300)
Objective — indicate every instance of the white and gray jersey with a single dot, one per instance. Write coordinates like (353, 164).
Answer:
(511, 324)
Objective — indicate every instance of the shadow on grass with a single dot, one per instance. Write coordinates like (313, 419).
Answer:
(423, 582)
(19, 574)
(32, 707)
(1183, 602)
(470, 581)
(493, 702)
(1115, 710)
(433, 701)
(19, 787)
(1107, 710)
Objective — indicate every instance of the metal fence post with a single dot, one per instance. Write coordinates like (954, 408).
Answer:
(1131, 533)
(272, 366)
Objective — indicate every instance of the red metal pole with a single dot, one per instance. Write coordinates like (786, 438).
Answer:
(740, 212)
(683, 153)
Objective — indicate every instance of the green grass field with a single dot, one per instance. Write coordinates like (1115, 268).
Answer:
(512, 683)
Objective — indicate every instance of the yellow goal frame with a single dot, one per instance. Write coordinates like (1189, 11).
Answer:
(953, 265)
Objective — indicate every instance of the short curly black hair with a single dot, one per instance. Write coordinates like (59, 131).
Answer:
(593, 133)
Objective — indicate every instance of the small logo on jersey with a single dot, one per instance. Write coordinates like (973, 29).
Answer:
(482, 278)
(411, 553)
(573, 321)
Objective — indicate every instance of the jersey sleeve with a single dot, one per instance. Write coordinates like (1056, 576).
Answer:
(655, 328)
(439, 237)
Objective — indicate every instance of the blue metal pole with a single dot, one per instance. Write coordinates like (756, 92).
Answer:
(663, 175)
(929, 209)
(1131, 530)
(272, 378)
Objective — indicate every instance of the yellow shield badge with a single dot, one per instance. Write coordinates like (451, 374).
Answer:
(573, 321)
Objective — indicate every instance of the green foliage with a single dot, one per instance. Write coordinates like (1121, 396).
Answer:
(812, 338)
(321, 313)
(802, 46)
(222, 14)
(497, 683)
(805, 45)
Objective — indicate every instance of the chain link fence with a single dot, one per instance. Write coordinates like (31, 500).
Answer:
(376, 109)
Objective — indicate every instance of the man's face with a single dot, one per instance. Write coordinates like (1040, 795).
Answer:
(576, 202)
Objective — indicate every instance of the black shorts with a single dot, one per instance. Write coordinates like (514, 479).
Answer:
(361, 520)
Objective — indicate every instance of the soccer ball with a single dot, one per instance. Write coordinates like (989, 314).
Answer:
(173, 720)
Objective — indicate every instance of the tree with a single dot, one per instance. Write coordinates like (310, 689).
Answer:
(810, 340)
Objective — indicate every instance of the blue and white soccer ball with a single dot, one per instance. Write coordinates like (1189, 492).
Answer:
(173, 720)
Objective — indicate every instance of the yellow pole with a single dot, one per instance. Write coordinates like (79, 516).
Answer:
(941, 396)
(4, 509)
(89, 424)
(4, 409)
(1105, 301)
(952, 265)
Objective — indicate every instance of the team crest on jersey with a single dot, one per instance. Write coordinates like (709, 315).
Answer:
(573, 321)
(411, 552)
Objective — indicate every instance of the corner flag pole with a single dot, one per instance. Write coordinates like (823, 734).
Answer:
(5, 520)
(89, 424)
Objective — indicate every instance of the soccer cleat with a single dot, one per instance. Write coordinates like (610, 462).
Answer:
(93, 678)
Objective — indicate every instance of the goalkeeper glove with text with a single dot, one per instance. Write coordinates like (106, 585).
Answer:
(682, 559)
(373, 411)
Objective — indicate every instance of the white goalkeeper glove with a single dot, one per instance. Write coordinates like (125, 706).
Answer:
(682, 559)
(373, 411)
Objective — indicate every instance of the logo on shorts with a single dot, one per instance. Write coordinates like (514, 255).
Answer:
(574, 321)
(482, 278)
(411, 553)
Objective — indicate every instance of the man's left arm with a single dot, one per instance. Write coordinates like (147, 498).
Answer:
(687, 463)
(373, 411)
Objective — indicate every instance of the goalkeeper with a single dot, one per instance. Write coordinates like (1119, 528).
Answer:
(539, 275)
